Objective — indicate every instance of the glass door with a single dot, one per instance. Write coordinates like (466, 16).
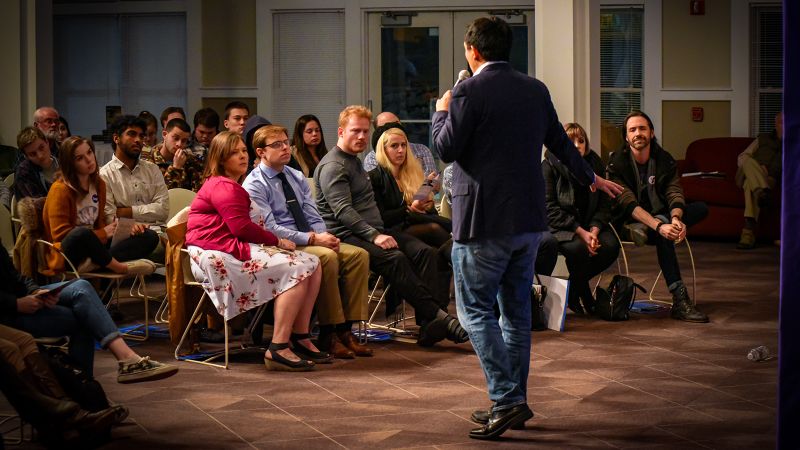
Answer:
(414, 57)
(410, 63)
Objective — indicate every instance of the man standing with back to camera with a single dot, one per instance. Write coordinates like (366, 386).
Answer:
(493, 126)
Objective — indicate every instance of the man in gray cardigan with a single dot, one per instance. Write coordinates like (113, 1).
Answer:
(347, 204)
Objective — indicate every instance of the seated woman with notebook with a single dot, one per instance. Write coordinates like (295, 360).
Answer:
(74, 221)
(403, 193)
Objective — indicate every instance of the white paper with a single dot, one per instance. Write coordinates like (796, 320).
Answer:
(555, 304)
(124, 227)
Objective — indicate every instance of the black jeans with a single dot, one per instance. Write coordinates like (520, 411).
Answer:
(411, 269)
(547, 255)
(81, 243)
(439, 238)
(667, 259)
(583, 266)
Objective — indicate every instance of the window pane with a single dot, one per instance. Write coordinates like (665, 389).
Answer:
(519, 48)
(621, 48)
(614, 106)
(409, 70)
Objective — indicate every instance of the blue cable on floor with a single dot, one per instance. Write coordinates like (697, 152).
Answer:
(374, 335)
(644, 307)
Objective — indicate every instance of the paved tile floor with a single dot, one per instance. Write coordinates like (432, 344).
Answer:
(650, 382)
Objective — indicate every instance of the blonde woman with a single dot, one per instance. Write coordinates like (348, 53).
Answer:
(395, 181)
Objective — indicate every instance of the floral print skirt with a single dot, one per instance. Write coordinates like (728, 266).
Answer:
(237, 286)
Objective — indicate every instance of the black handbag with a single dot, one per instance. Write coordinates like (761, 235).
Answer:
(538, 317)
(615, 303)
(77, 384)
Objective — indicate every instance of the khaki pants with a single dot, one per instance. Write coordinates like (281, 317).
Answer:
(15, 345)
(343, 289)
(752, 177)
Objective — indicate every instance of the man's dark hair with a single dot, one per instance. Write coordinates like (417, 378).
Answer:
(178, 123)
(149, 119)
(206, 117)
(236, 104)
(491, 36)
(636, 113)
(169, 110)
(122, 123)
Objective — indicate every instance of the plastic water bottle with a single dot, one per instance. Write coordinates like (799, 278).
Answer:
(760, 353)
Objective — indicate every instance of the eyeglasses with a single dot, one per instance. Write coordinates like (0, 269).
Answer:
(277, 145)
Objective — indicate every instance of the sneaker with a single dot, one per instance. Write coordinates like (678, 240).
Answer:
(637, 233)
(140, 267)
(144, 370)
(747, 241)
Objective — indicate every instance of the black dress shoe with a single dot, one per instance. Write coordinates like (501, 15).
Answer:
(501, 421)
(481, 416)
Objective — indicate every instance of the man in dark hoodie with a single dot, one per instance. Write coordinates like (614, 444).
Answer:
(653, 203)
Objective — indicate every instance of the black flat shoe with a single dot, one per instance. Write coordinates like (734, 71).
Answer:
(306, 353)
(501, 421)
(481, 417)
(279, 363)
(444, 326)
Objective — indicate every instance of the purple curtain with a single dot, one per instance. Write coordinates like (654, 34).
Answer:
(789, 331)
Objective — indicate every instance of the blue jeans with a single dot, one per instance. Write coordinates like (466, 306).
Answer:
(78, 314)
(498, 270)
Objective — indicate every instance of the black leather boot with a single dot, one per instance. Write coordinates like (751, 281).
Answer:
(683, 309)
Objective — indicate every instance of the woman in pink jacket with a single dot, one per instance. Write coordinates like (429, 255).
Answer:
(243, 266)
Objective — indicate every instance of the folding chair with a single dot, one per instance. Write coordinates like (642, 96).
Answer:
(6, 229)
(114, 284)
(400, 333)
(189, 280)
(650, 297)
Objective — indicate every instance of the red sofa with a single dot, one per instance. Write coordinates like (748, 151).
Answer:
(725, 200)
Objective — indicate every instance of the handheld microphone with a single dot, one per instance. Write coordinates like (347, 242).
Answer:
(463, 75)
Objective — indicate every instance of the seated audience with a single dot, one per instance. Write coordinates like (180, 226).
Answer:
(151, 130)
(46, 119)
(77, 312)
(63, 130)
(171, 112)
(284, 195)
(75, 224)
(244, 266)
(759, 172)
(395, 182)
(578, 219)
(34, 174)
(251, 126)
(420, 151)
(30, 385)
(653, 206)
(180, 167)
(236, 115)
(135, 188)
(206, 126)
(308, 144)
(347, 204)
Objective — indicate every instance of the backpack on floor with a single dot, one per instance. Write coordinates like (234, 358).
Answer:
(615, 303)
(77, 384)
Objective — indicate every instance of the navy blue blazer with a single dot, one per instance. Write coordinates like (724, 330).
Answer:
(494, 131)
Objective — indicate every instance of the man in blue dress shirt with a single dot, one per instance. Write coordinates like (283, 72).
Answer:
(284, 196)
